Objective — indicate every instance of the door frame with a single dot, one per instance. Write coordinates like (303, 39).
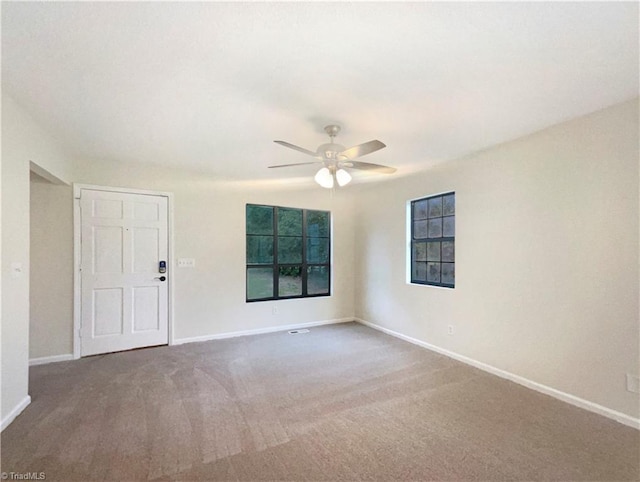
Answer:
(77, 230)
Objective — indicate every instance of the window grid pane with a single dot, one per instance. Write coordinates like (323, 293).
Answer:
(259, 249)
(317, 250)
(420, 210)
(318, 280)
(289, 249)
(259, 283)
(290, 281)
(289, 222)
(318, 224)
(259, 219)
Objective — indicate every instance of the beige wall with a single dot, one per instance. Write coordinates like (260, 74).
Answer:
(546, 258)
(209, 225)
(22, 142)
(51, 273)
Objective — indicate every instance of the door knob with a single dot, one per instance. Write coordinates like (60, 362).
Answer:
(161, 278)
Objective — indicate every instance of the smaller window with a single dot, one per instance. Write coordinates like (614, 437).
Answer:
(433, 230)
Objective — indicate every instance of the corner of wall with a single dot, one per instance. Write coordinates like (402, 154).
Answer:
(23, 142)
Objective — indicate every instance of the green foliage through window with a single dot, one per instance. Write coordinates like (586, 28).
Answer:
(288, 252)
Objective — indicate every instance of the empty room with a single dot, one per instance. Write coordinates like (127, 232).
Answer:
(320, 241)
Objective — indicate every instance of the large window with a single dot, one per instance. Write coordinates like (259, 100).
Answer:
(288, 253)
(433, 230)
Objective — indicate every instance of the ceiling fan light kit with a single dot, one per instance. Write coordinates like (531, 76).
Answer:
(335, 158)
(324, 178)
(343, 177)
(328, 177)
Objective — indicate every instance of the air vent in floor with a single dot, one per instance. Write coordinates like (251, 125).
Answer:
(298, 332)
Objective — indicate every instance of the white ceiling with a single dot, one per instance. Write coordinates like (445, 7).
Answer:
(209, 86)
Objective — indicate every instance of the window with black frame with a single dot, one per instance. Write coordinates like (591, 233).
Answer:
(288, 253)
(433, 230)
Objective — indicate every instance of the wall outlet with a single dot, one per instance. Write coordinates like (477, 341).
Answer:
(633, 383)
(274, 310)
(186, 263)
(450, 330)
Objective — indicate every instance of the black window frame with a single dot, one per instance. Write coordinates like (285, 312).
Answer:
(276, 265)
(426, 240)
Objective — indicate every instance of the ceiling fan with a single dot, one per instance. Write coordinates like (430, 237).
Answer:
(335, 158)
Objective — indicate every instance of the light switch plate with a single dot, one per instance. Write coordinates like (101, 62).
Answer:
(186, 263)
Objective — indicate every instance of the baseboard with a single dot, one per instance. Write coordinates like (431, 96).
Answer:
(17, 410)
(563, 396)
(259, 331)
(50, 359)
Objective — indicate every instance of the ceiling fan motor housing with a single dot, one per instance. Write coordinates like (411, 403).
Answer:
(330, 151)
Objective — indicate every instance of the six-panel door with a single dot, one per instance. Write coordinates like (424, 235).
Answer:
(124, 301)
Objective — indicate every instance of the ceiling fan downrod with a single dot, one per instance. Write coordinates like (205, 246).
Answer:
(332, 130)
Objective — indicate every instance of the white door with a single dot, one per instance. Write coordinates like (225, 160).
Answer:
(124, 297)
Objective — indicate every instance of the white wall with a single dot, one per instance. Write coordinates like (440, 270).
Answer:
(51, 273)
(22, 141)
(546, 258)
(209, 225)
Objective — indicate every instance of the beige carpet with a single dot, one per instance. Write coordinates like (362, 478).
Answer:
(341, 402)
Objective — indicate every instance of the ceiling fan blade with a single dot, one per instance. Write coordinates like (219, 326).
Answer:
(296, 164)
(362, 149)
(367, 166)
(300, 149)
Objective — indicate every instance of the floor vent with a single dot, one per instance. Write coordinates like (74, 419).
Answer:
(298, 332)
